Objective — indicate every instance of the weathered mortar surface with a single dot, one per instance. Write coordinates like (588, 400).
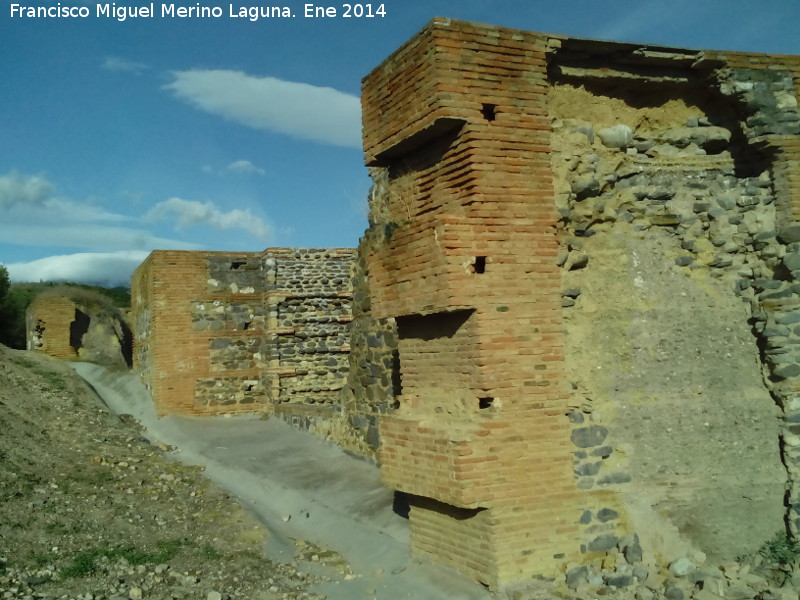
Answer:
(670, 367)
(693, 432)
(675, 177)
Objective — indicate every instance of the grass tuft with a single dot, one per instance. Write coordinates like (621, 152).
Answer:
(85, 563)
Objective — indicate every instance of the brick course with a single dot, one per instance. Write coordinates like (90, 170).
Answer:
(48, 323)
(462, 258)
(222, 332)
(468, 274)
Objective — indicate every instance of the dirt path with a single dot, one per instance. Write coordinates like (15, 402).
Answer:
(95, 506)
(302, 488)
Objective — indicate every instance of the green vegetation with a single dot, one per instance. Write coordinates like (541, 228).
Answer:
(4, 284)
(54, 380)
(24, 362)
(63, 528)
(90, 296)
(211, 553)
(90, 474)
(5, 304)
(85, 563)
(12, 316)
(782, 552)
(16, 297)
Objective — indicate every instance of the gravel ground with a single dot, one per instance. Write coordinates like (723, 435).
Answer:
(90, 511)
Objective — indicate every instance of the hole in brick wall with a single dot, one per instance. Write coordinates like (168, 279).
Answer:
(400, 504)
(437, 359)
(397, 382)
(485, 403)
(430, 327)
(489, 111)
(126, 344)
(479, 266)
(237, 264)
(249, 387)
(246, 325)
(77, 329)
(453, 512)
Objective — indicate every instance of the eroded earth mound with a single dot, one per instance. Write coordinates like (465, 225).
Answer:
(90, 510)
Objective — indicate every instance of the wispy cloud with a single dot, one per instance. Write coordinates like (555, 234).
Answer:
(107, 245)
(188, 213)
(110, 268)
(300, 110)
(34, 196)
(121, 65)
(81, 235)
(32, 214)
(244, 167)
(26, 190)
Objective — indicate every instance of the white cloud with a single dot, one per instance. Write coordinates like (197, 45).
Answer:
(25, 190)
(34, 196)
(86, 236)
(245, 167)
(319, 114)
(65, 210)
(31, 214)
(110, 268)
(121, 65)
(108, 245)
(188, 213)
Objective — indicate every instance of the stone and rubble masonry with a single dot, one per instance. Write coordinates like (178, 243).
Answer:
(581, 273)
(226, 332)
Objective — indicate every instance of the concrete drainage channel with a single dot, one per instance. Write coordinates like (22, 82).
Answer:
(301, 487)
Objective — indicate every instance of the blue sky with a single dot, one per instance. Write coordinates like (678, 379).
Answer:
(117, 138)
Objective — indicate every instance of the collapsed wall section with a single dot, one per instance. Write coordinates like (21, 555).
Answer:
(78, 325)
(585, 253)
(673, 204)
(52, 328)
(667, 209)
(373, 374)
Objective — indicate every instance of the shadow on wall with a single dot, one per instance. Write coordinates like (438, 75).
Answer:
(77, 329)
(102, 337)
(72, 324)
(126, 344)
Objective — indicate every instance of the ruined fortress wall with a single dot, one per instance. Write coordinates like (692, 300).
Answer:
(467, 212)
(231, 332)
(373, 378)
(141, 319)
(78, 327)
(678, 225)
(49, 320)
(307, 344)
(588, 252)
(182, 316)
